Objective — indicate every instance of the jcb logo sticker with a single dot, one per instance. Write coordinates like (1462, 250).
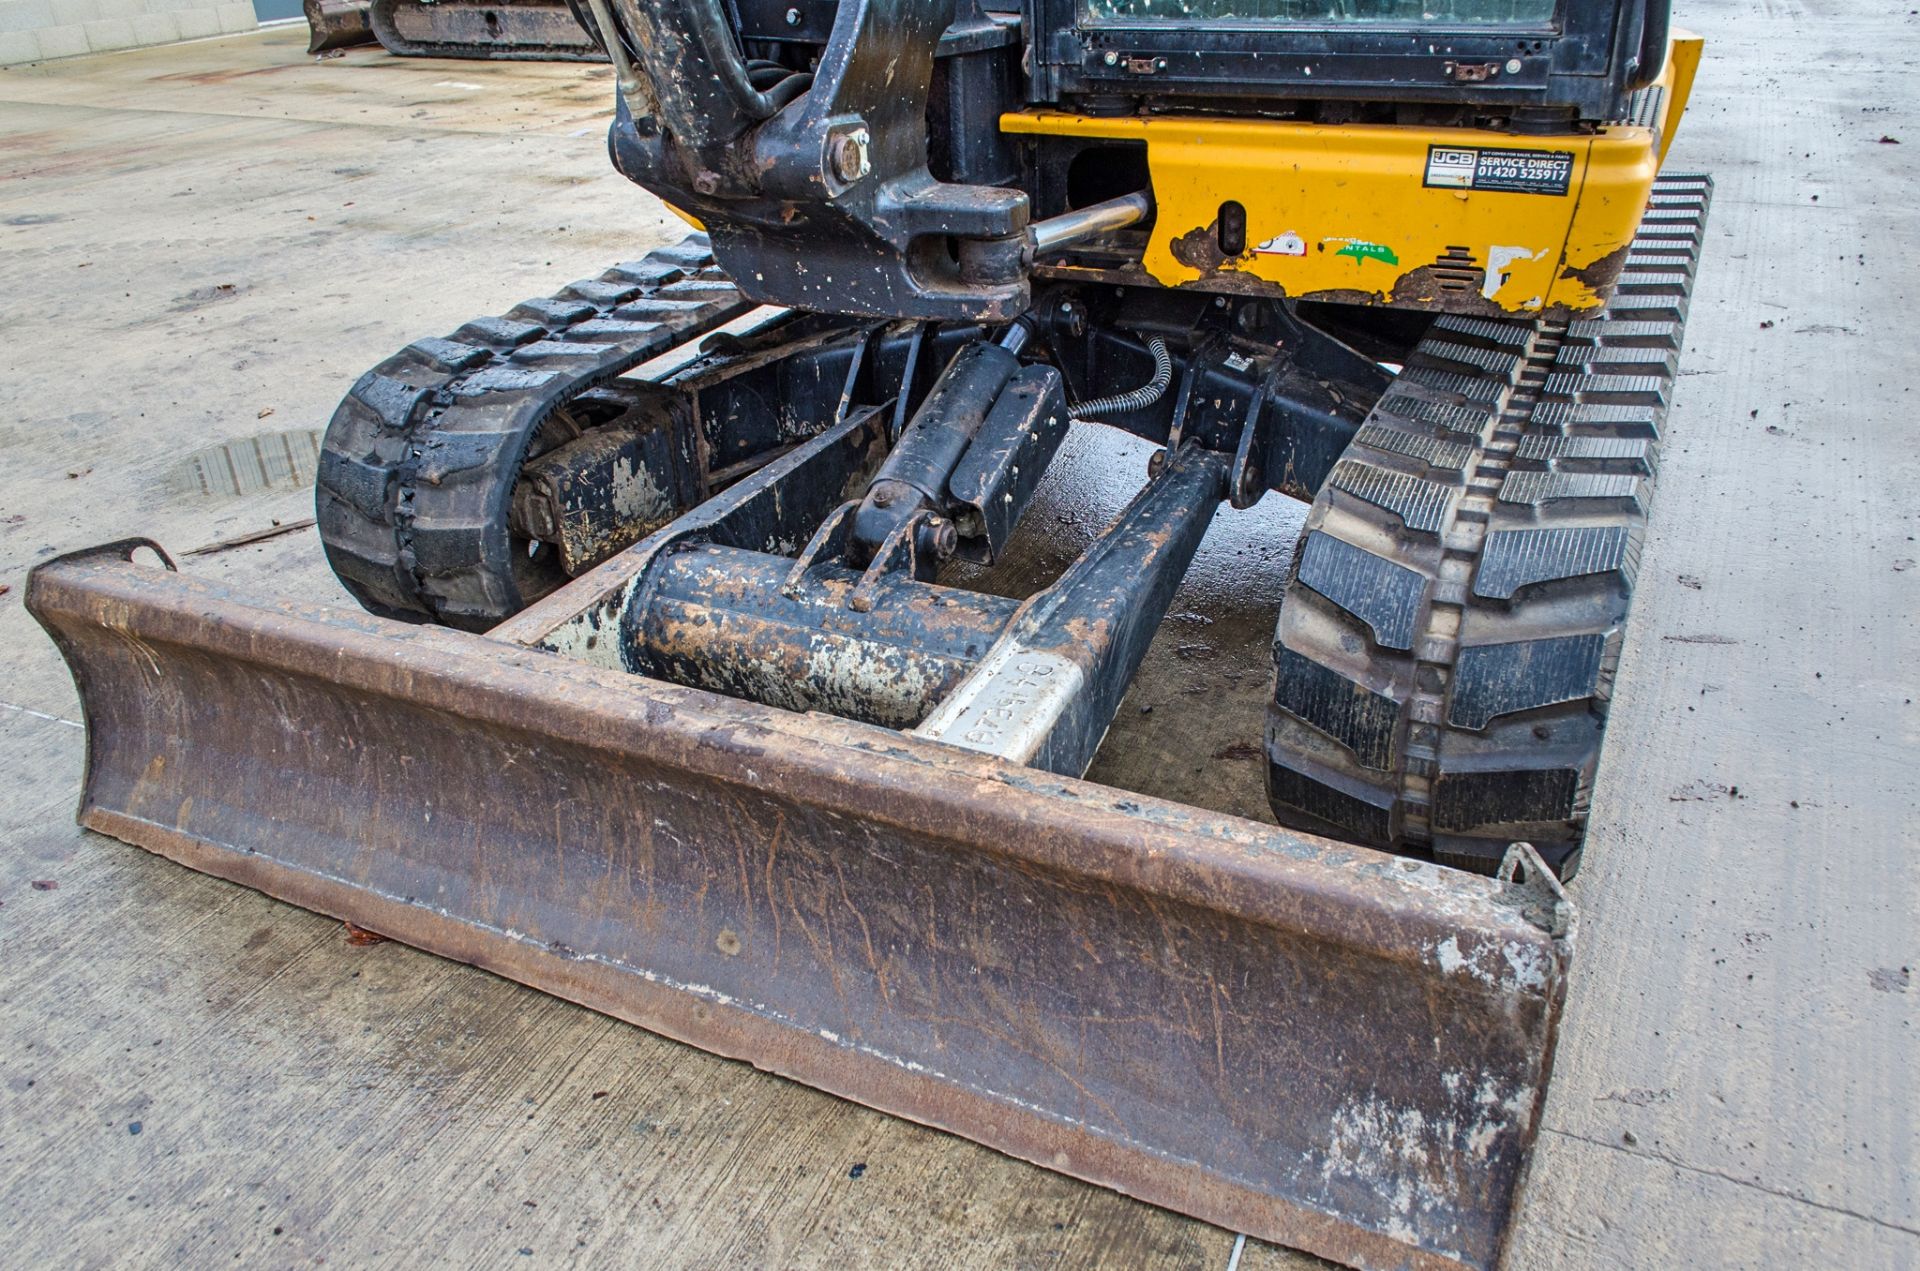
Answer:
(1451, 167)
(1500, 169)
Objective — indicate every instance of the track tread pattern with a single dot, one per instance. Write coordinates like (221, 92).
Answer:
(1534, 488)
(1435, 451)
(1372, 588)
(1632, 455)
(1445, 655)
(1490, 680)
(1420, 504)
(1513, 559)
(1446, 416)
(1360, 720)
(417, 466)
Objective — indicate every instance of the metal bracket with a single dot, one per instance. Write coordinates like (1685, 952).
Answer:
(829, 542)
(899, 552)
(1248, 480)
(1541, 886)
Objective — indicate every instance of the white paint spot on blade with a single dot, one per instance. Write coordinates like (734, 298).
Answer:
(1529, 965)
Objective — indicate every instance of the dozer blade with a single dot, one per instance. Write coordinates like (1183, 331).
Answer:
(1316, 1044)
(337, 24)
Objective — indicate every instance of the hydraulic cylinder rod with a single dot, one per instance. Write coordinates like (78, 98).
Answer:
(1088, 222)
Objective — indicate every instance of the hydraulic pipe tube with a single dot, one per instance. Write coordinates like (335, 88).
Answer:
(1014, 339)
(1087, 222)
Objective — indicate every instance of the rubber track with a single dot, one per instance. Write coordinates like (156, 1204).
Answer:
(1446, 650)
(417, 468)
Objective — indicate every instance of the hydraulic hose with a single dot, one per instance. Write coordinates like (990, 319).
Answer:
(1134, 399)
(639, 36)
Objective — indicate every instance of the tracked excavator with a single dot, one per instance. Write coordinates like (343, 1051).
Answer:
(666, 693)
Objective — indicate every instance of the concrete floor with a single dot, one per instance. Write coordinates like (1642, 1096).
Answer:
(204, 245)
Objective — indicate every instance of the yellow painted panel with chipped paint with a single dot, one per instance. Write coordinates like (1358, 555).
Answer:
(1344, 212)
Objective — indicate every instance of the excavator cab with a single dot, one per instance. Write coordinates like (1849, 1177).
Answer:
(666, 691)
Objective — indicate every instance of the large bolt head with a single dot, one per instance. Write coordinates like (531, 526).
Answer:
(849, 155)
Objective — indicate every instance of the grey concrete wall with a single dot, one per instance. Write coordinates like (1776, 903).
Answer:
(39, 30)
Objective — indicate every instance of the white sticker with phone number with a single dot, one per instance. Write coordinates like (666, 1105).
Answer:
(1499, 169)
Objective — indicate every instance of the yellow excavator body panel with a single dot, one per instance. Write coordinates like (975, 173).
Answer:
(1452, 219)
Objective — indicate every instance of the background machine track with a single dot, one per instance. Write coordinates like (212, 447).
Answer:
(499, 30)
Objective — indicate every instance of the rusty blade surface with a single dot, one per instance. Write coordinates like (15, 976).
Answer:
(337, 24)
(1315, 1044)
